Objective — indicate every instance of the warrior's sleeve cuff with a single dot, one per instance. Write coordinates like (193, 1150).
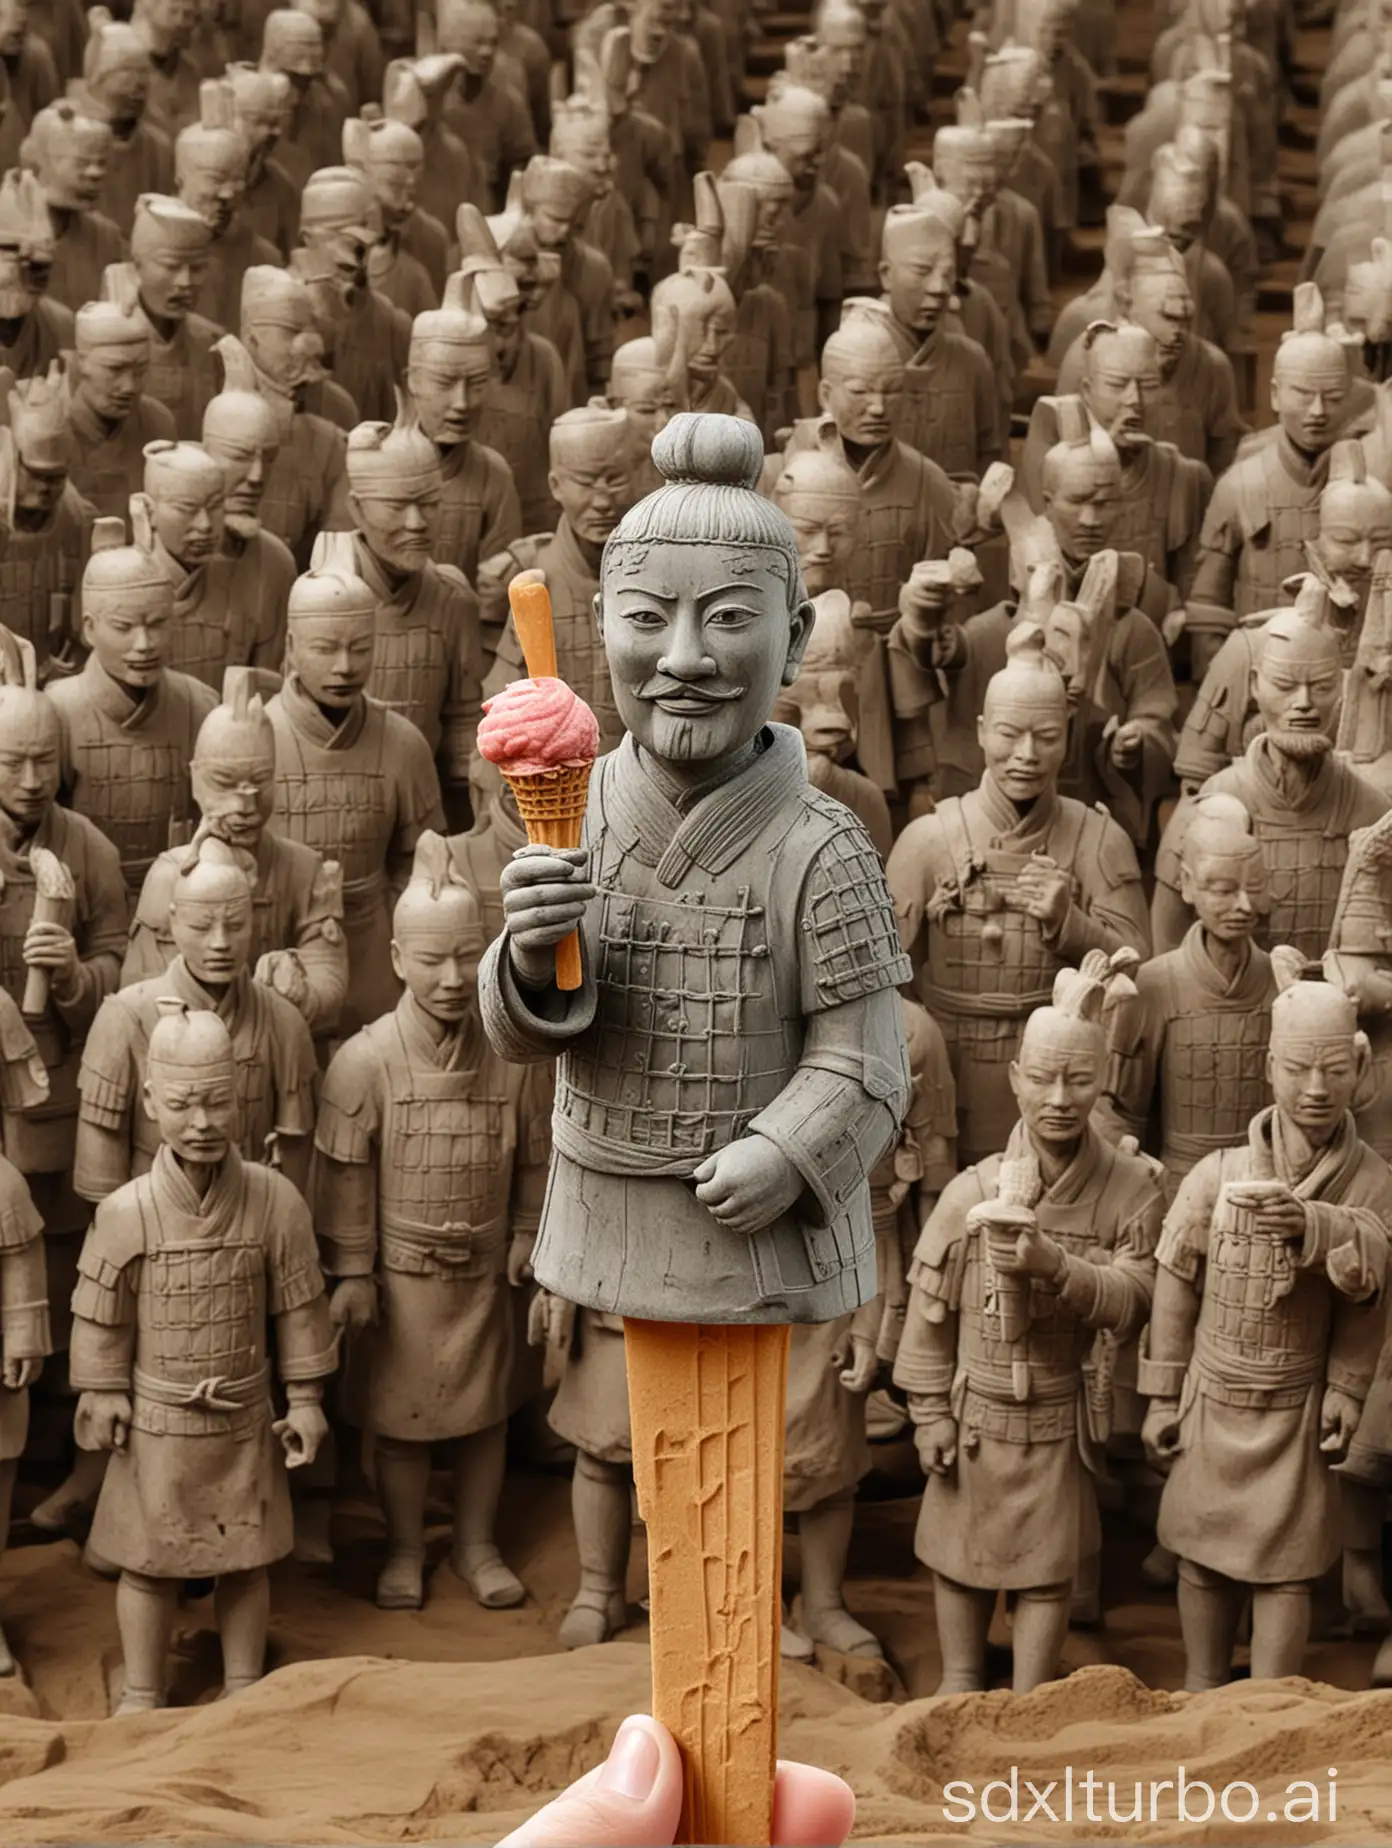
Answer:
(1158, 1379)
(24, 1331)
(515, 1030)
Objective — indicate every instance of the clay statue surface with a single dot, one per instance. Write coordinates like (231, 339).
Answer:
(1263, 1342)
(169, 254)
(197, 1480)
(50, 527)
(111, 415)
(365, 336)
(36, 328)
(69, 151)
(1035, 1264)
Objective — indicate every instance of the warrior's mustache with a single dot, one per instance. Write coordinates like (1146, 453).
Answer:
(663, 688)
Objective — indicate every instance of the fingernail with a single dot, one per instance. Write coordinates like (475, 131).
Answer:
(633, 1763)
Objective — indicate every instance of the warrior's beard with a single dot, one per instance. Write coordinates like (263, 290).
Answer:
(1302, 744)
(243, 525)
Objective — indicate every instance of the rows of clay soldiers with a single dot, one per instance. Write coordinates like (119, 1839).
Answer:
(288, 875)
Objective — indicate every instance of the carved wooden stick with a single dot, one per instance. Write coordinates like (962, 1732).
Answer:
(55, 894)
(707, 1407)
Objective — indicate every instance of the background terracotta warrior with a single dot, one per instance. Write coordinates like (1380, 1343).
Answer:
(196, 1483)
(591, 479)
(1034, 1265)
(210, 169)
(293, 44)
(432, 1168)
(69, 152)
(270, 202)
(760, 361)
(354, 781)
(526, 390)
(36, 328)
(450, 377)
(554, 198)
(24, 1338)
(110, 414)
(390, 156)
(114, 87)
(169, 251)
(50, 524)
(693, 319)
(1001, 888)
(297, 941)
(365, 337)
(1263, 1343)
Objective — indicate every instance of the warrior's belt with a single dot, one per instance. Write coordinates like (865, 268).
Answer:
(215, 1394)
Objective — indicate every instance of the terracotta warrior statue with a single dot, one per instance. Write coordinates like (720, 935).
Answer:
(270, 204)
(1036, 1265)
(112, 85)
(576, 313)
(1267, 1322)
(1265, 508)
(484, 111)
(229, 600)
(755, 195)
(450, 377)
(365, 337)
(297, 940)
(34, 329)
(580, 136)
(306, 486)
(1304, 799)
(167, 28)
(428, 659)
(354, 781)
(110, 414)
(644, 390)
(169, 256)
(25, 1340)
(693, 319)
(831, 64)
(1003, 887)
(50, 524)
(410, 260)
(196, 1485)
(432, 1158)
(793, 125)
(128, 721)
(592, 466)
(69, 151)
(526, 391)
(416, 91)
(210, 176)
(311, 134)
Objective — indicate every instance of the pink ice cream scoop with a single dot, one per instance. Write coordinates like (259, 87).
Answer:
(533, 727)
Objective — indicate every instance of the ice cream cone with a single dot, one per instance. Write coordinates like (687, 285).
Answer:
(552, 807)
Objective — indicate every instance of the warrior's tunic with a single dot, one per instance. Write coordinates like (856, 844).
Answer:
(361, 792)
(84, 244)
(172, 1306)
(479, 510)
(230, 612)
(24, 1329)
(401, 279)
(1198, 1063)
(229, 258)
(313, 136)
(45, 332)
(740, 960)
(807, 270)
(296, 904)
(495, 127)
(950, 410)
(1359, 961)
(108, 466)
(1277, 1324)
(184, 374)
(272, 1053)
(142, 163)
(371, 348)
(1304, 832)
(41, 575)
(759, 359)
(1033, 1414)
(126, 757)
(983, 965)
(433, 1155)
(270, 207)
(516, 423)
(306, 488)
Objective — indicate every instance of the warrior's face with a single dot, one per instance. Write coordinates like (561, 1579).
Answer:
(1058, 1077)
(331, 657)
(1355, 525)
(189, 523)
(124, 87)
(170, 24)
(450, 388)
(1313, 1080)
(801, 147)
(919, 277)
(195, 1108)
(37, 494)
(436, 954)
(29, 758)
(112, 378)
(699, 641)
(212, 188)
(130, 641)
(1309, 384)
(1121, 378)
(827, 529)
(235, 794)
(824, 707)
(1163, 304)
(1082, 497)
(395, 185)
(16, 299)
(1298, 684)
(14, 26)
(170, 280)
(863, 398)
(594, 491)
(246, 460)
(647, 395)
(1226, 891)
(1024, 738)
(400, 527)
(213, 935)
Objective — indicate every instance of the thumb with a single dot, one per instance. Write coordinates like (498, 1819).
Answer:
(632, 1800)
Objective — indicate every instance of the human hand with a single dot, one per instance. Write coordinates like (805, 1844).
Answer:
(550, 1322)
(103, 1420)
(634, 1799)
(936, 1443)
(925, 598)
(747, 1184)
(17, 1374)
(1339, 1416)
(519, 1259)
(856, 1364)
(1027, 1252)
(301, 1431)
(1275, 1211)
(1041, 891)
(1126, 744)
(284, 971)
(1160, 1432)
(545, 891)
(353, 1305)
(52, 947)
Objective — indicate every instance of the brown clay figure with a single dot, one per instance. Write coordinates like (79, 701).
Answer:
(718, 1247)
(389, 157)
(1068, 134)
(1304, 799)
(297, 942)
(645, 150)
(34, 329)
(196, 1482)
(432, 1167)
(1263, 1343)
(354, 781)
(1036, 1264)
(416, 92)
(951, 410)
(365, 337)
(1265, 508)
(693, 319)
(25, 1340)
(129, 721)
(352, 48)
(169, 255)
(30, 70)
(592, 469)
(1013, 85)
(489, 116)
(580, 136)
(110, 414)
(210, 176)
(69, 151)
(1003, 887)
(50, 524)
(428, 661)
(962, 184)
(977, 159)
(450, 377)
(643, 389)
(828, 69)
(270, 204)
(167, 27)
(306, 487)
(1187, 201)
(311, 135)
(793, 125)
(526, 392)
(555, 198)
(480, 855)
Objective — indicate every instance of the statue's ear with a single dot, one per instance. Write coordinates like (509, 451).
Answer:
(800, 635)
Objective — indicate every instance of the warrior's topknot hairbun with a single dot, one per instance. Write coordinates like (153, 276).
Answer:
(704, 447)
